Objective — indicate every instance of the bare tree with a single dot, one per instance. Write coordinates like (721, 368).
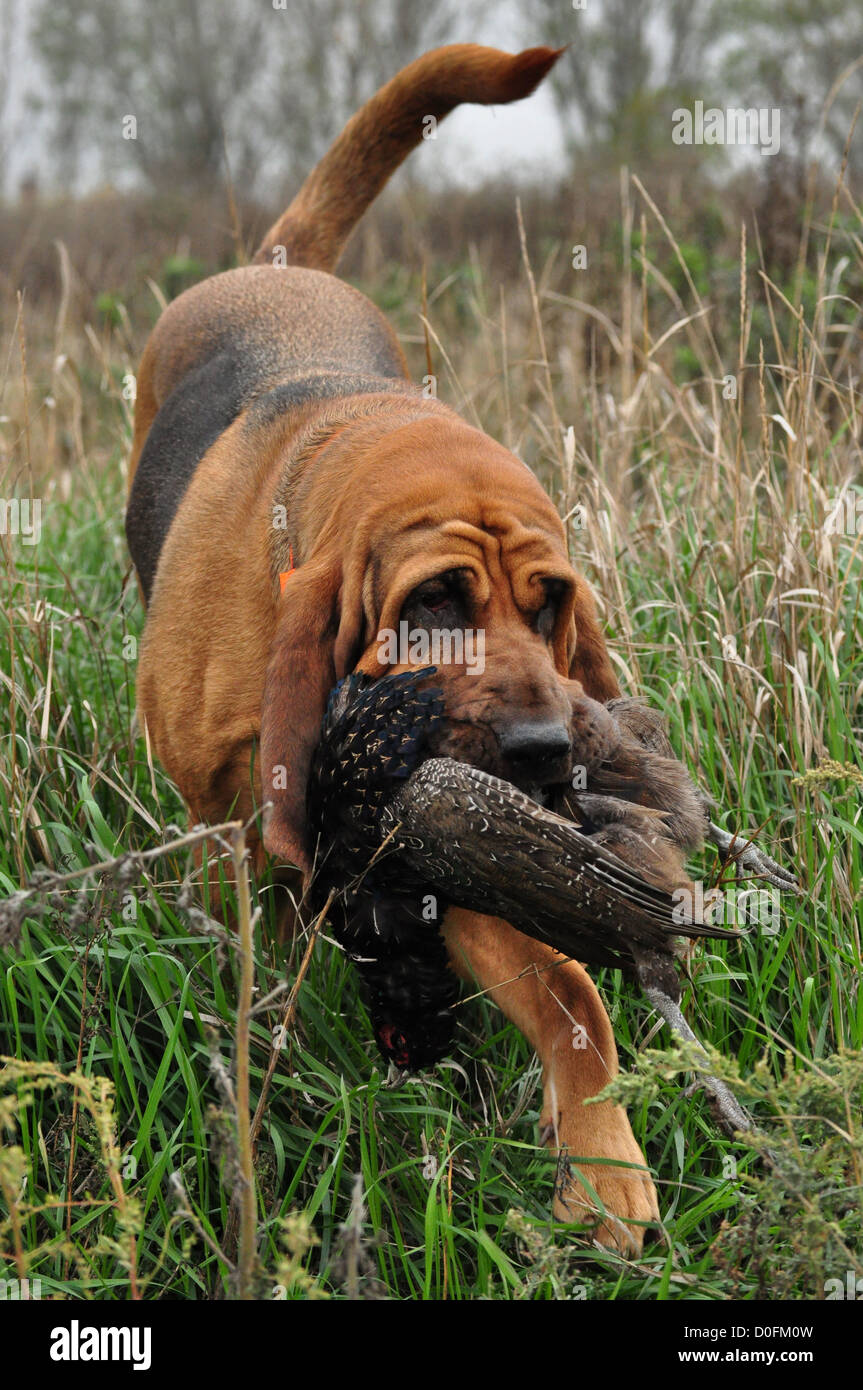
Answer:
(622, 56)
(160, 89)
(792, 56)
(8, 20)
(269, 81)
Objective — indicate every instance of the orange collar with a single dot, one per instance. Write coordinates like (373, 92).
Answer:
(285, 575)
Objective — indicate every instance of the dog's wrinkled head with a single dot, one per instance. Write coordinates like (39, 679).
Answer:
(443, 551)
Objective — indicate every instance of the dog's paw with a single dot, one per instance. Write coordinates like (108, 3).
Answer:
(616, 1197)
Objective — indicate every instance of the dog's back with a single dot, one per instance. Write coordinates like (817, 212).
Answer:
(255, 339)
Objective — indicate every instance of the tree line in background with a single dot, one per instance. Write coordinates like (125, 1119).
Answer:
(242, 88)
(261, 87)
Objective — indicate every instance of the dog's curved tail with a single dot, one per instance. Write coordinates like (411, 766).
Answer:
(316, 226)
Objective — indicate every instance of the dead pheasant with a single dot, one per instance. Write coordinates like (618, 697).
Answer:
(402, 834)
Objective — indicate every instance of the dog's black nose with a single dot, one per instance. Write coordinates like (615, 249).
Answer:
(535, 744)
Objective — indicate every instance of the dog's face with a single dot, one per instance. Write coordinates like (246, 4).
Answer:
(453, 556)
(486, 595)
(492, 645)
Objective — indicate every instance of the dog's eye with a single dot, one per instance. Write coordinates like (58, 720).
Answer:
(433, 596)
(545, 619)
(438, 595)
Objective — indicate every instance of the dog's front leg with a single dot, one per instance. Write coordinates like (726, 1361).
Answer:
(557, 1007)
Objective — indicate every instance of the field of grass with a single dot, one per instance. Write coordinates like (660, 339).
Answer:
(699, 452)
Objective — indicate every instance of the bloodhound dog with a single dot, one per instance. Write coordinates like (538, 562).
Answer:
(292, 495)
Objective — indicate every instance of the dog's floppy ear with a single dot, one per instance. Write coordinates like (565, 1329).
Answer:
(316, 640)
(589, 661)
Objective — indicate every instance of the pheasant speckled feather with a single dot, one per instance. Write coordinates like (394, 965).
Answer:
(373, 737)
(439, 829)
